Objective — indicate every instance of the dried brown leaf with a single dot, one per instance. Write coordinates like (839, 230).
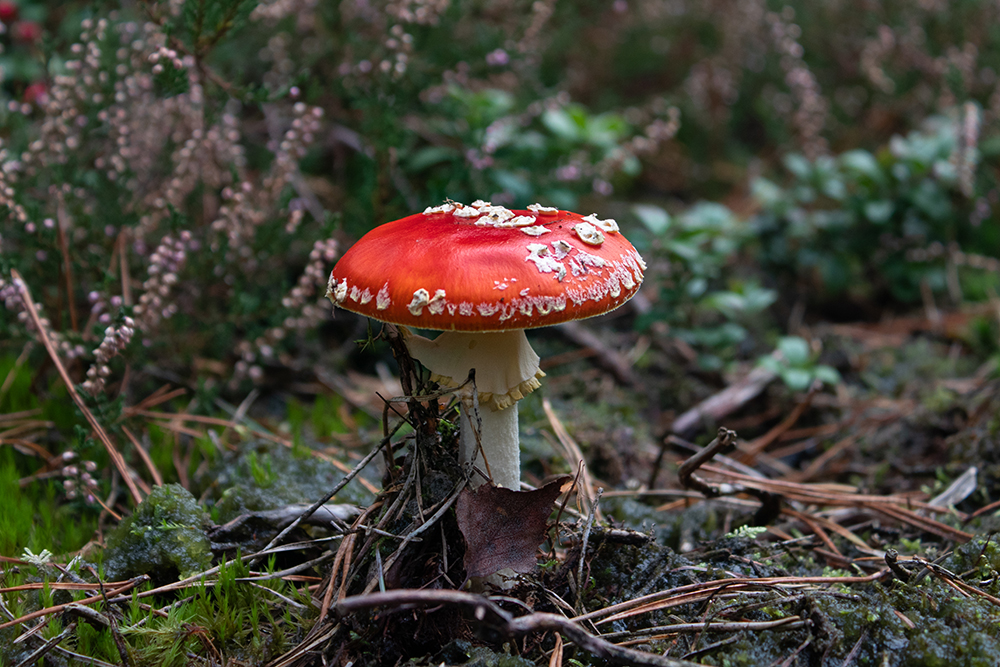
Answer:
(502, 527)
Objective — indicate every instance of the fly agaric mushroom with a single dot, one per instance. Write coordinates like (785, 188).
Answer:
(483, 274)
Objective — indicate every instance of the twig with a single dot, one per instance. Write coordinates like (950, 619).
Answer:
(686, 472)
(412, 535)
(122, 243)
(37, 654)
(647, 603)
(60, 607)
(557, 653)
(295, 569)
(12, 373)
(898, 570)
(573, 454)
(855, 649)
(924, 523)
(241, 412)
(788, 661)
(113, 452)
(580, 583)
(749, 453)
(611, 359)
(489, 614)
(325, 499)
(144, 455)
(116, 636)
(787, 623)
(726, 401)
(61, 226)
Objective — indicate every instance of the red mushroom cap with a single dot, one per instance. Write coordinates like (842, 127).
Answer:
(487, 268)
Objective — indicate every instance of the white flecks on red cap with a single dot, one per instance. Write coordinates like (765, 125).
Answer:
(450, 268)
(588, 233)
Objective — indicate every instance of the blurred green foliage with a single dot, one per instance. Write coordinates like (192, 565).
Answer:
(860, 224)
(796, 365)
(568, 103)
(699, 294)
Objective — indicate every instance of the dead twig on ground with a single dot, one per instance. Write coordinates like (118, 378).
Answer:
(685, 474)
(708, 589)
(488, 615)
(573, 454)
(714, 408)
(326, 498)
(749, 452)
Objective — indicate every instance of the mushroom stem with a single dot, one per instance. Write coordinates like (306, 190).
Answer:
(499, 436)
(506, 369)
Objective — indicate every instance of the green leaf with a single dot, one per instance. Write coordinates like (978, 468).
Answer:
(430, 156)
(795, 350)
(798, 165)
(861, 163)
(685, 250)
(797, 379)
(771, 364)
(879, 211)
(826, 374)
(654, 218)
(835, 189)
(560, 123)
(605, 130)
(768, 193)
(515, 184)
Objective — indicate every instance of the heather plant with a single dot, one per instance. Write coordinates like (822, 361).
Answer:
(164, 189)
(133, 204)
(755, 80)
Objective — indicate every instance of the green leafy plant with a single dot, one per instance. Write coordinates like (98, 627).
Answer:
(862, 224)
(701, 296)
(796, 365)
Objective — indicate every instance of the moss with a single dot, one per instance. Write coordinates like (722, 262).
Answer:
(264, 475)
(164, 538)
(36, 516)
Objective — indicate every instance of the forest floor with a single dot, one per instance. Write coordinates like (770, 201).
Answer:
(849, 524)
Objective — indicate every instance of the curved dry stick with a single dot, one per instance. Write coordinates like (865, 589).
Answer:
(487, 613)
(132, 583)
(102, 435)
(686, 472)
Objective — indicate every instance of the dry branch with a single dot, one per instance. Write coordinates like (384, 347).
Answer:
(486, 613)
(102, 435)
